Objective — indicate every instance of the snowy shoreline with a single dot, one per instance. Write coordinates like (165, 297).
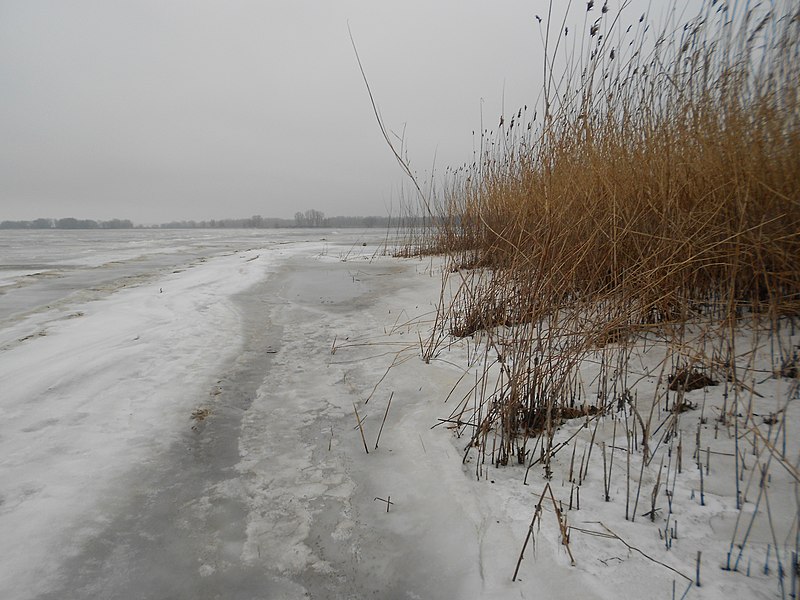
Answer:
(108, 487)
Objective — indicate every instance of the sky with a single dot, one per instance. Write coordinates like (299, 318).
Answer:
(159, 110)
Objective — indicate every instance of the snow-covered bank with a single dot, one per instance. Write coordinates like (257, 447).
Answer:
(318, 500)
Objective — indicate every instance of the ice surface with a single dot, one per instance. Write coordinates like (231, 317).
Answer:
(99, 389)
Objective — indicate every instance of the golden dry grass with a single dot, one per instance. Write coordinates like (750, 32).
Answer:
(657, 184)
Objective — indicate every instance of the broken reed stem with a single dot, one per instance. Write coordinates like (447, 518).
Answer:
(388, 501)
(572, 462)
(591, 445)
(647, 556)
(697, 580)
(654, 496)
(628, 477)
(702, 488)
(638, 490)
(537, 511)
(389, 368)
(611, 462)
(605, 476)
(385, 414)
(360, 428)
(561, 524)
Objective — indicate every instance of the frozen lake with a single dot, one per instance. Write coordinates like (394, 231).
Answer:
(46, 267)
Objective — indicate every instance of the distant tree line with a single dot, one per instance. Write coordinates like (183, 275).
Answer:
(67, 223)
(309, 218)
(254, 222)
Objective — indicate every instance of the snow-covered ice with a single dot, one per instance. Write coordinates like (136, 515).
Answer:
(93, 389)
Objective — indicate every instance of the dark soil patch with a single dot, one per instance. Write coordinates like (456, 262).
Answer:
(534, 421)
(689, 379)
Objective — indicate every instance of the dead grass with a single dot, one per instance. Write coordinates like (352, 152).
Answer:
(657, 183)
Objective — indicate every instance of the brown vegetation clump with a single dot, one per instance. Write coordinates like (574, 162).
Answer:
(688, 380)
(656, 185)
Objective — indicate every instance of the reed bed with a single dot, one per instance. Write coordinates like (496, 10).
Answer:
(623, 246)
(658, 187)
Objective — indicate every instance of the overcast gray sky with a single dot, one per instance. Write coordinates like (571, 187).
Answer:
(155, 110)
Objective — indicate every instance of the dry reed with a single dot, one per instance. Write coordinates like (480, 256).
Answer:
(651, 199)
(658, 186)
